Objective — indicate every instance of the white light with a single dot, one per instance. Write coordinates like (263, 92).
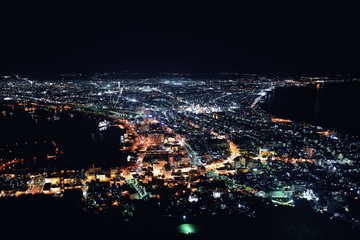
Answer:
(216, 194)
(193, 198)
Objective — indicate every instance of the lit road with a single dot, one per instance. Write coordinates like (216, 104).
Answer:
(9, 163)
(194, 160)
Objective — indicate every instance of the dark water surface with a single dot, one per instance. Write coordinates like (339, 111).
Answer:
(334, 106)
(32, 134)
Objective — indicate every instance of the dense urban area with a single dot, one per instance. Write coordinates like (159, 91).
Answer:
(193, 146)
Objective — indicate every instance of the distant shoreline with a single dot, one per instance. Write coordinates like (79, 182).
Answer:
(279, 108)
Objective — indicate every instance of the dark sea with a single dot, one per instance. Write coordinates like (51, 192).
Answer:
(32, 135)
(333, 106)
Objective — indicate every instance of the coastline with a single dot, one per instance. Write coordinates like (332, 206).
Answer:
(316, 112)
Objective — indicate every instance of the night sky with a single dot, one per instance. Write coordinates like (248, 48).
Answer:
(60, 36)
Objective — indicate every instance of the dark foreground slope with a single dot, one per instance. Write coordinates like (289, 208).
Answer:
(47, 217)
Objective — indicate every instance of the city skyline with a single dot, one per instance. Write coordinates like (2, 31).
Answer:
(120, 152)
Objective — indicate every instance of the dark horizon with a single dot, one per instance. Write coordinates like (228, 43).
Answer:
(305, 39)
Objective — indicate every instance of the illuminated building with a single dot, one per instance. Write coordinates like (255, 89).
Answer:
(167, 172)
(237, 163)
(193, 198)
(185, 161)
(202, 170)
(155, 138)
(171, 159)
(216, 194)
(158, 167)
(309, 151)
